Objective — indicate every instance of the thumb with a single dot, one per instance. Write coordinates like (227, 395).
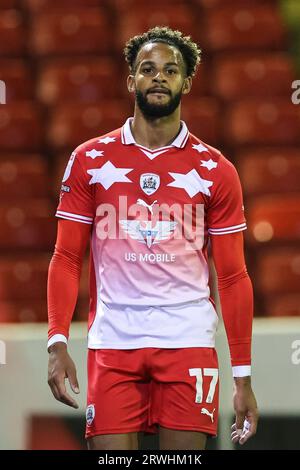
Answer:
(73, 381)
(239, 422)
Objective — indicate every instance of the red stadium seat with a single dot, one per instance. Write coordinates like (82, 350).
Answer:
(75, 123)
(27, 224)
(122, 7)
(40, 5)
(13, 34)
(23, 176)
(268, 122)
(78, 81)
(202, 81)
(265, 171)
(20, 127)
(59, 32)
(278, 273)
(242, 76)
(202, 116)
(274, 218)
(24, 310)
(282, 305)
(139, 19)
(244, 27)
(6, 4)
(18, 79)
(211, 4)
(23, 277)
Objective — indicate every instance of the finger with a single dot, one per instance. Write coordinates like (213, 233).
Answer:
(244, 437)
(236, 435)
(71, 374)
(63, 395)
(235, 438)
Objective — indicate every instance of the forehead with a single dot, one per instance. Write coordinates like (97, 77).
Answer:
(159, 52)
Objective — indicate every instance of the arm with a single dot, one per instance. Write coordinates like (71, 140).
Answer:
(236, 298)
(63, 285)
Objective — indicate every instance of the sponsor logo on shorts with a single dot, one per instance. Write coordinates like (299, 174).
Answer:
(90, 414)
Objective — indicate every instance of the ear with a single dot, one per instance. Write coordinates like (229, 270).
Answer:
(187, 85)
(131, 84)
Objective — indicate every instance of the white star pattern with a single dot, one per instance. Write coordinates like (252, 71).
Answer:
(108, 174)
(191, 182)
(107, 140)
(200, 148)
(94, 153)
(209, 164)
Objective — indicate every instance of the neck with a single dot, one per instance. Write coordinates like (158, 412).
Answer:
(155, 133)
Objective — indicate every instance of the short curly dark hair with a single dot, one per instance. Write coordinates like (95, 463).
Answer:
(190, 51)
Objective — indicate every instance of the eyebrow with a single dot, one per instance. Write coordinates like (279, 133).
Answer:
(153, 63)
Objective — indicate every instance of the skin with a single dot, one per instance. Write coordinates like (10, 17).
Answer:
(157, 65)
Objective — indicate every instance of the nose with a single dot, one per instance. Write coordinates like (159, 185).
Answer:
(159, 77)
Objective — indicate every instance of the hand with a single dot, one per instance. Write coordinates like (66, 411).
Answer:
(245, 406)
(60, 367)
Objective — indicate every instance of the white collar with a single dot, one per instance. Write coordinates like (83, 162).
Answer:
(179, 141)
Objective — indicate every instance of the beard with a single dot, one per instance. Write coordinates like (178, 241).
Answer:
(154, 110)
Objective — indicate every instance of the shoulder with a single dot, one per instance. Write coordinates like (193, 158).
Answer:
(213, 159)
(96, 146)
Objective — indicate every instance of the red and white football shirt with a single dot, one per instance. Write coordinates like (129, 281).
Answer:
(152, 212)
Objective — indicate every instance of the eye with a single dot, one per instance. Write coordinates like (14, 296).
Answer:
(147, 70)
(171, 71)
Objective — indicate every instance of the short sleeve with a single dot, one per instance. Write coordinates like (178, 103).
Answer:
(76, 198)
(225, 213)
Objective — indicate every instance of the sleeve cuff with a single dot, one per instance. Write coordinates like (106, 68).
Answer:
(57, 339)
(75, 217)
(241, 371)
(226, 230)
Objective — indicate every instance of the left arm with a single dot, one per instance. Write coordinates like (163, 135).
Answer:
(236, 296)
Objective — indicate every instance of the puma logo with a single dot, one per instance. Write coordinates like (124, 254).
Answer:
(143, 203)
(204, 411)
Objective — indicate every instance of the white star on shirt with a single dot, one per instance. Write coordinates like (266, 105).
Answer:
(94, 153)
(108, 174)
(192, 183)
(107, 140)
(200, 148)
(209, 164)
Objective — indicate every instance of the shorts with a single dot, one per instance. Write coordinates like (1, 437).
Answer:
(137, 390)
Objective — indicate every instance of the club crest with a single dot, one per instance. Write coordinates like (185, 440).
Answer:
(149, 182)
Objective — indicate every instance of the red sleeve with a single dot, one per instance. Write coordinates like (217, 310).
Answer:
(225, 213)
(236, 295)
(64, 275)
(76, 196)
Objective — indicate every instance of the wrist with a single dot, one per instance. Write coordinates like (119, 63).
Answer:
(242, 382)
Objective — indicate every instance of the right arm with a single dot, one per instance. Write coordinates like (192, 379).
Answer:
(63, 284)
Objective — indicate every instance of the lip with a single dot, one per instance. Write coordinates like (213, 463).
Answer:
(163, 91)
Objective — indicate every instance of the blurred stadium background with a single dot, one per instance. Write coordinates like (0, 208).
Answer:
(65, 78)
